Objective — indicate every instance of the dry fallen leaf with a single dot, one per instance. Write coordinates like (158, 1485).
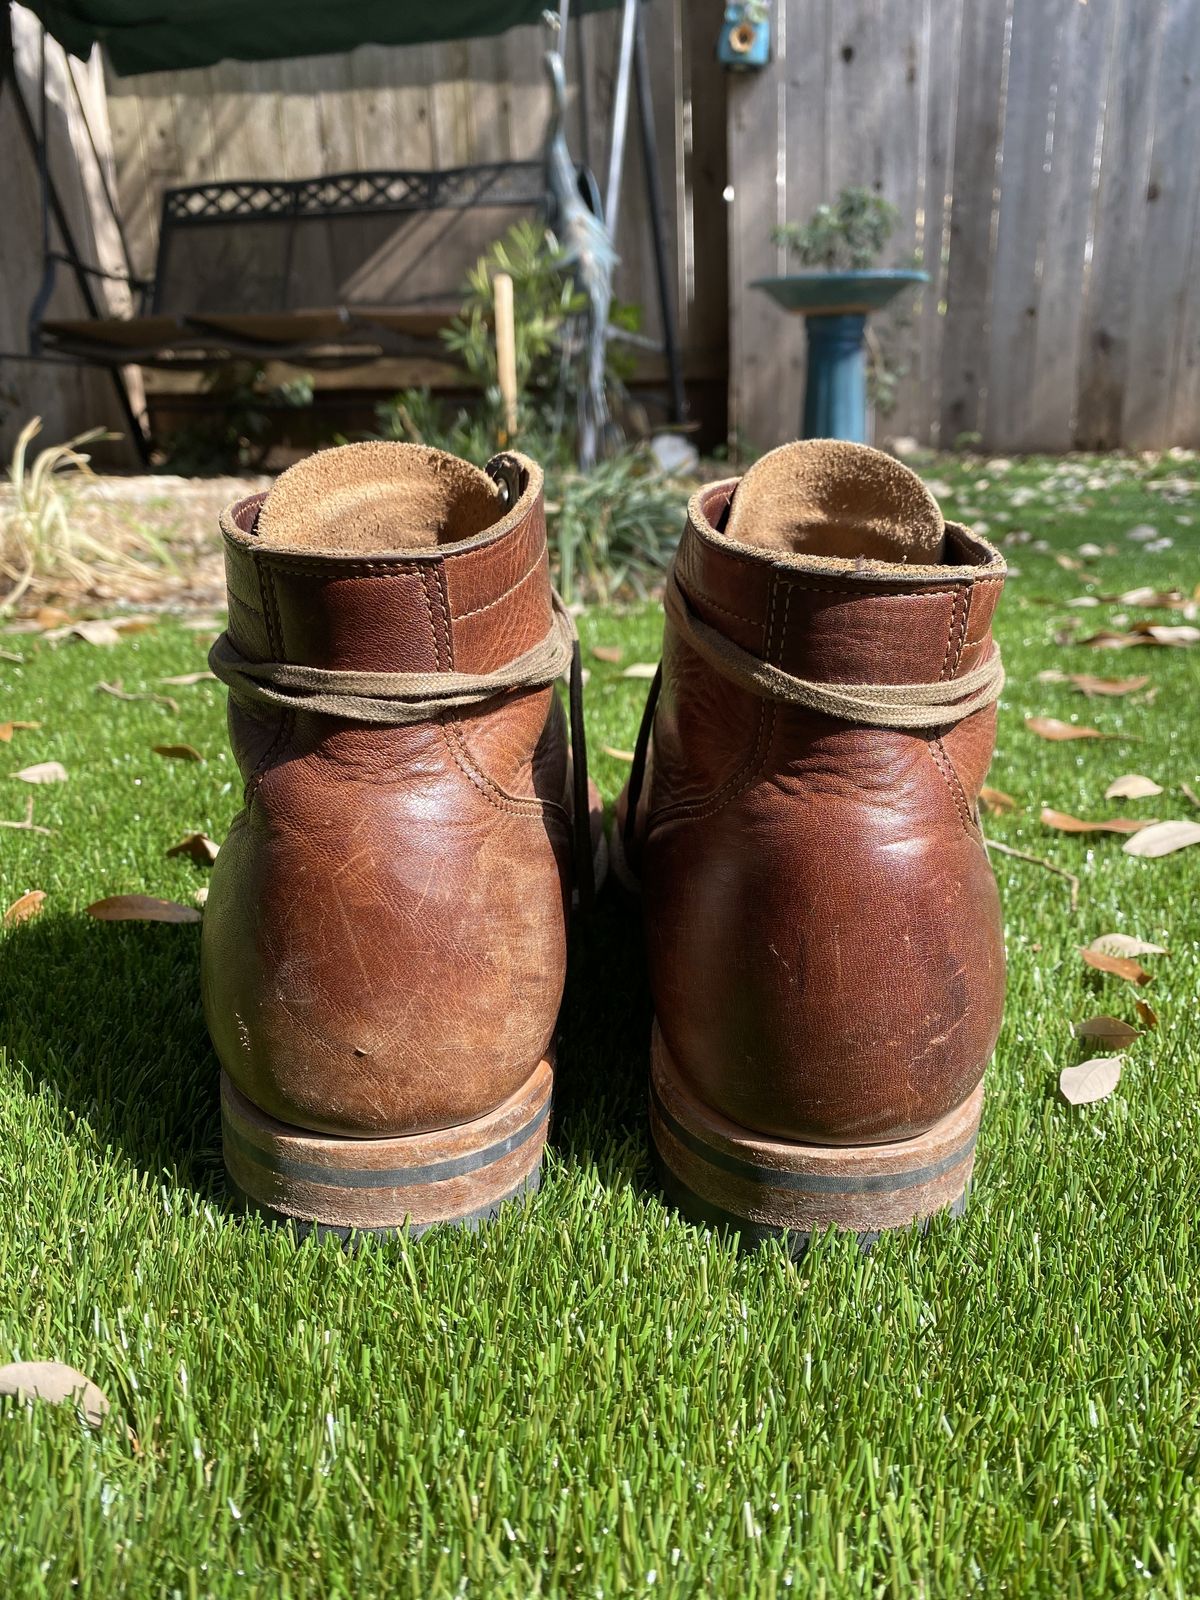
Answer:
(1124, 944)
(1090, 1080)
(184, 680)
(996, 800)
(141, 908)
(1163, 838)
(7, 729)
(98, 631)
(177, 752)
(1117, 966)
(1152, 598)
(1052, 728)
(50, 616)
(641, 669)
(198, 847)
(617, 755)
(29, 905)
(1180, 636)
(1053, 675)
(1146, 1012)
(201, 896)
(1132, 786)
(118, 692)
(1065, 823)
(203, 625)
(607, 652)
(1086, 684)
(1109, 1030)
(43, 772)
(57, 1384)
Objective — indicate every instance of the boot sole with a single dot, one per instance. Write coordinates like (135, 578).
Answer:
(345, 1186)
(758, 1187)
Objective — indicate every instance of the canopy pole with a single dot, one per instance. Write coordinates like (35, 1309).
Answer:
(620, 119)
(654, 201)
(52, 206)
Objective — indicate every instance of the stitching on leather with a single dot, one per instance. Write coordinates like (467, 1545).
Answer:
(961, 644)
(751, 622)
(462, 616)
(949, 772)
(693, 811)
(491, 791)
(946, 667)
(274, 626)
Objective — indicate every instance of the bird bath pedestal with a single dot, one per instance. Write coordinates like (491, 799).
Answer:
(835, 306)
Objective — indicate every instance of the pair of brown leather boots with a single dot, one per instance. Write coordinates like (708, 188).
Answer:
(385, 938)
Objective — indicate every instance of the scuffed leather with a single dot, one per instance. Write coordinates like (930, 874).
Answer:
(384, 943)
(823, 926)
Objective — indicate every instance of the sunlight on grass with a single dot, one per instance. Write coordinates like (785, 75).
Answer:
(590, 1397)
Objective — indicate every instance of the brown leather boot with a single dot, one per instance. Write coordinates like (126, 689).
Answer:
(385, 937)
(823, 928)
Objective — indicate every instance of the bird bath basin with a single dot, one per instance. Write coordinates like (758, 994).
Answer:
(835, 306)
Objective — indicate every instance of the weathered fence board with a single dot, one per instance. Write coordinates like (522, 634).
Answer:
(1060, 141)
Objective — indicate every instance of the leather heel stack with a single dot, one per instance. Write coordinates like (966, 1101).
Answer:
(413, 1181)
(757, 1187)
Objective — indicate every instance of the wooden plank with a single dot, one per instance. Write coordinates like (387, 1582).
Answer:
(771, 113)
(1037, 33)
(704, 247)
(943, 32)
(969, 269)
(1118, 241)
(1085, 43)
(1166, 286)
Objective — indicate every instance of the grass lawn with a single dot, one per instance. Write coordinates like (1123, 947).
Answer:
(590, 1397)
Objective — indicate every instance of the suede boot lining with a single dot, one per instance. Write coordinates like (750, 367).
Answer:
(376, 498)
(829, 498)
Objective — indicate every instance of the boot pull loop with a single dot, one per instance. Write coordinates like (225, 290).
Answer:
(508, 475)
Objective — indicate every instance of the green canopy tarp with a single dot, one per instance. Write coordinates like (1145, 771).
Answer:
(162, 35)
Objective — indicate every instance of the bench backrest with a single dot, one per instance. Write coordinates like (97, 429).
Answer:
(395, 239)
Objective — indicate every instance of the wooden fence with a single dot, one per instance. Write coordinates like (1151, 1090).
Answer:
(1045, 159)
(1044, 156)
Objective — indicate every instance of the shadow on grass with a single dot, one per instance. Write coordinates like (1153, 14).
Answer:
(604, 1043)
(107, 1018)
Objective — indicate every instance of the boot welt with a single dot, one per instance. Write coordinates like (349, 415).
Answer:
(758, 1187)
(409, 1181)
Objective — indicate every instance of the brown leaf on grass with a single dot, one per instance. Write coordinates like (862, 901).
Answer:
(1116, 966)
(617, 755)
(607, 652)
(1086, 684)
(641, 669)
(96, 631)
(1053, 675)
(1068, 563)
(1065, 823)
(177, 752)
(1090, 1080)
(43, 772)
(1190, 794)
(26, 824)
(203, 625)
(1146, 1012)
(1163, 839)
(1132, 786)
(141, 908)
(201, 896)
(57, 1384)
(1052, 728)
(7, 729)
(184, 680)
(995, 800)
(50, 616)
(1153, 599)
(1124, 944)
(1108, 1030)
(119, 693)
(29, 905)
(1179, 636)
(198, 847)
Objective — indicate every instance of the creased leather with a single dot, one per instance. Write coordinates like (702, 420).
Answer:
(384, 943)
(823, 926)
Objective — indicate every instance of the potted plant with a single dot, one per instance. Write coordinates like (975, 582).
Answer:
(836, 290)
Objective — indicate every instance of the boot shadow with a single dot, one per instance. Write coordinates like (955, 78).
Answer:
(106, 1017)
(602, 1070)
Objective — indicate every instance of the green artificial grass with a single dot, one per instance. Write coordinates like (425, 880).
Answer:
(591, 1397)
